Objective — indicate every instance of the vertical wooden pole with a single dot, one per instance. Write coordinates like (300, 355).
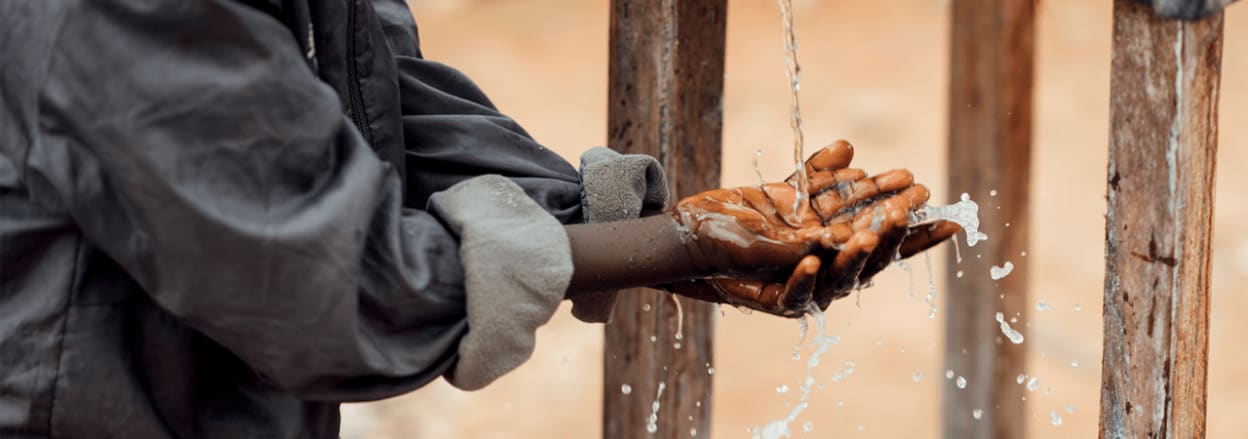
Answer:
(665, 97)
(1163, 138)
(989, 149)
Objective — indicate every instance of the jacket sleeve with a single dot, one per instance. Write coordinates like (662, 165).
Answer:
(452, 132)
(191, 143)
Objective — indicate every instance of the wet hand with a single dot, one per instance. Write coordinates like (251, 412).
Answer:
(879, 209)
(781, 255)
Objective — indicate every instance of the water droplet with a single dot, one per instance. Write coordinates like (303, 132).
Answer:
(782, 389)
(992, 193)
(1021, 378)
(949, 374)
(653, 424)
(693, 432)
(1074, 363)
(1055, 418)
(1033, 384)
(710, 371)
(977, 414)
(1023, 254)
(1042, 306)
(1014, 336)
(961, 382)
(1001, 272)
(959, 274)
(918, 376)
(1078, 307)
(626, 389)
(808, 426)
(861, 427)
(1070, 408)
(676, 346)
(653, 339)
(645, 307)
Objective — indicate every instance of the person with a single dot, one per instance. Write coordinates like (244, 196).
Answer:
(223, 218)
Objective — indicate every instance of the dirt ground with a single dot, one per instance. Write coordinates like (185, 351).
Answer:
(874, 73)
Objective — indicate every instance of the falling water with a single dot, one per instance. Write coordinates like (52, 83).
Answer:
(780, 428)
(793, 71)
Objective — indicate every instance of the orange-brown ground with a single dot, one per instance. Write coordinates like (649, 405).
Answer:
(874, 73)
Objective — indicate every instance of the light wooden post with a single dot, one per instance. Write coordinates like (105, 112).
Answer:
(1163, 138)
(990, 107)
(665, 97)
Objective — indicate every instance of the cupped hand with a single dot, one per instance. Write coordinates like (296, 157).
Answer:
(766, 249)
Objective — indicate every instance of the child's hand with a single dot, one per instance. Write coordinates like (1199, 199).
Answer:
(781, 255)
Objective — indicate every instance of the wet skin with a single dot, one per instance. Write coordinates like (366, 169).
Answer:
(755, 247)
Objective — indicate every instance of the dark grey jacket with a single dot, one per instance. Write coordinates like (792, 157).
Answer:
(221, 218)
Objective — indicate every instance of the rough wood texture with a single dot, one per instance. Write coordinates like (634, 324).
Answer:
(989, 149)
(665, 97)
(1163, 138)
(1186, 9)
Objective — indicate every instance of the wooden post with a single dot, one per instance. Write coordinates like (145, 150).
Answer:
(989, 149)
(665, 97)
(1163, 138)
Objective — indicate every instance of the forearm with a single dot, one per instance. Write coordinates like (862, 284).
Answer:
(625, 254)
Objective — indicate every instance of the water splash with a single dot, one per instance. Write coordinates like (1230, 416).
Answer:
(965, 213)
(1001, 272)
(1014, 336)
(652, 424)
(780, 428)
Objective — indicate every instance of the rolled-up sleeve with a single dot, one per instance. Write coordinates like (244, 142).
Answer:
(453, 132)
(221, 174)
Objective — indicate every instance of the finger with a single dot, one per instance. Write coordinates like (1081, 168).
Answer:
(831, 204)
(843, 274)
(926, 236)
(835, 156)
(892, 234)
(822, 181)
(910, 199)
(831, 237)
(894, 180)
(800, 287)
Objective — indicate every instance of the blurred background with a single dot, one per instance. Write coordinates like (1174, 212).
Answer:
(874, 73)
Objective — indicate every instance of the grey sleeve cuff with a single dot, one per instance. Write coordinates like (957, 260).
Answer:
(517, 265)
(615, 187)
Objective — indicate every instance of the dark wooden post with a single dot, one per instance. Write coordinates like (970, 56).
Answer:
(1163, 138)
(989, 149)
(665, 97)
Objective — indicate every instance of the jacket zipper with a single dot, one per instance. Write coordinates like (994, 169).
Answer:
(353, 80)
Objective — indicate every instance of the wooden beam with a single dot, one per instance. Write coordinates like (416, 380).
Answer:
(1163, 139)
(990, 108)
(665, 99)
